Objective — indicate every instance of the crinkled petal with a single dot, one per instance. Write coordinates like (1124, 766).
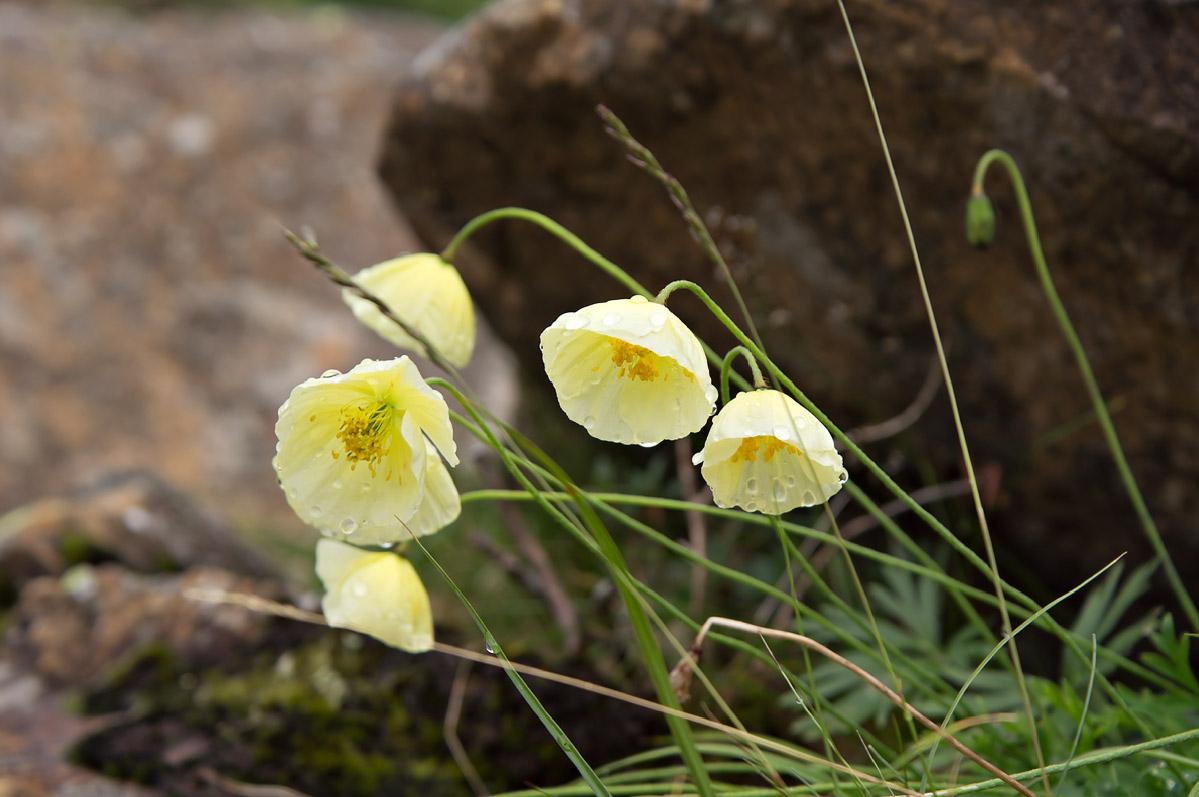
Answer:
(375, 593)
(429, 295)
(629, 371)
(440, 506)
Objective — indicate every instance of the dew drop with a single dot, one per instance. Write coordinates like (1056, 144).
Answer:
(359, 589)
(648, 445)
(387, 546)
(782, 432)
(657, 321)
(589, 422)
(751, 485)
(574, 321)
(293, 493)
(315, 510)
(348, 525)
(595, 380)
(638, 299)
(611, 319)
(330, 372)
(790, 481)
(842, 477)
(487, 645)
(808, 498)
(750, 506)
(780, 492)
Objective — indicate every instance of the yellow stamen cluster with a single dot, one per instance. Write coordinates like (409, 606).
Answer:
(766, 445)
(364, 434)
(636, 362)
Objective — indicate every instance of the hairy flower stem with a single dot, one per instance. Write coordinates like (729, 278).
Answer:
(1084, 368)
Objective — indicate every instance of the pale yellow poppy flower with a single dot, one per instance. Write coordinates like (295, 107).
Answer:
(429, 295)
(353, 458)
(766, 453)
(375, 593)
(629, 371)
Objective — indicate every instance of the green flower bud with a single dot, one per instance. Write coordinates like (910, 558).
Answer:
(980, 221)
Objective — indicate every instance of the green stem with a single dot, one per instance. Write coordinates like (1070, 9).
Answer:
(576, 243)
(1084, 368)
(726, 367)
(551, 226)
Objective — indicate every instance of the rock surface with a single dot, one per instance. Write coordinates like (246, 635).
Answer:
(759, 110)
(151, 314)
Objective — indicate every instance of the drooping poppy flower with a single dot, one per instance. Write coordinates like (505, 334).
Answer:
(766, 453)
(376, 593)
(629, 371)
(428, 294)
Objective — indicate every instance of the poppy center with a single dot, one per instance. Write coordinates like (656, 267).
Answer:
(366, 433)
(765, 445)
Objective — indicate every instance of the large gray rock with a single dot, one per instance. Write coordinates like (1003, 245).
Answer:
(759, 110)
(152, 315)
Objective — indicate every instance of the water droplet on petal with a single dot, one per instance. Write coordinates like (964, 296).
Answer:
(649, 445)
(336, 485)
(808, 498)
(842, 477)
(574, 321)
(657, 321)
(751, 485)
(782, 432)
(292, 492)
(348, 525)
(638, 299)
(359, 589)
(611, 319)
(780, 492)
(790, 481)
(315, 510)
(330, 372)
(750, 506)
(589, 422)
(387, 546)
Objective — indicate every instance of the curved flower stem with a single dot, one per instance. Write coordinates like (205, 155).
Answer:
(576, 243)
(1084, 367)
(551, 226)
(726, 366)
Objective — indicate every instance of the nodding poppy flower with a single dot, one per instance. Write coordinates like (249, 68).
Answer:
(766, 453)
(429, 295)
(375, 593)
(629, 371)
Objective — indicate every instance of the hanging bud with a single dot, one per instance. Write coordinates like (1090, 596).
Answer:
(980, 221)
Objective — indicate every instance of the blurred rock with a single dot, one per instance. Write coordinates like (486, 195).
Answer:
(758, 108)
(139, 521)
(151, 314)
(70, 630)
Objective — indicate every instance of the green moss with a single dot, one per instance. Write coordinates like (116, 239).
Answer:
(76, 547)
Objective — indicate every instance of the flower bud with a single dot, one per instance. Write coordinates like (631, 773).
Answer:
(980, 221)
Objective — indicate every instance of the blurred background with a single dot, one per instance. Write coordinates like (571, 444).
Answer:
(153, 318)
